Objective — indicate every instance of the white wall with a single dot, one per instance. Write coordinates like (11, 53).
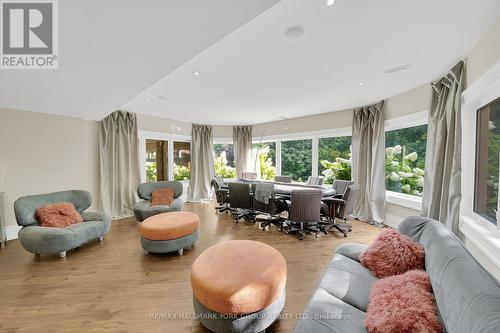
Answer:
(42, 153)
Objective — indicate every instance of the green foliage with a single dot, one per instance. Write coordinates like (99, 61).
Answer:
(402, 173)
(181, 172)
(330, 149)
(228, 150)
(296, 159)
(151, 171)
(414, 139)
(267, 169)
(340, 169)
(222, 168)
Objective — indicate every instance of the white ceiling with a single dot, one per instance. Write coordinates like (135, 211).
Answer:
(109, 51)
(250, 72)
(256, 74)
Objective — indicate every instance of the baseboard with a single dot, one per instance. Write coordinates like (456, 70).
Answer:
(11, 231)
(392, 220)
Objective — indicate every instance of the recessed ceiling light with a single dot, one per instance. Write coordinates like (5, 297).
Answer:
(196, 73)
(361, 83)
(147, 100)
(330, 2)
(295, 32)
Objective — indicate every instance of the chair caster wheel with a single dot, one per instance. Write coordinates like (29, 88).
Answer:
(345, 234)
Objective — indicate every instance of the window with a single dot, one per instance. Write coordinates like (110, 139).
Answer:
(224, 160)
(156, 160)
(296, 159)
(265, 160)
(487, 161)
(335, 158)
(405, 159)
(182, 160)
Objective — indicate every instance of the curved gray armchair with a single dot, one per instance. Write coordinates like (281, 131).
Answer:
(45, 240)
(143, 209)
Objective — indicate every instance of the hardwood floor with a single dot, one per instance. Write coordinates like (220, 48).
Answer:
(113, 287)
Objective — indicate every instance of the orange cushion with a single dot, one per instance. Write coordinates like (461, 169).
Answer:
(58, 215)
(162, 196)
(168, 226)
(238, 276)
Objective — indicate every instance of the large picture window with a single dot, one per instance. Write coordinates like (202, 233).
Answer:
(296, 159)
(487, 161)
(182, 160)
(334, 158)
(405, 159)
(224, 160)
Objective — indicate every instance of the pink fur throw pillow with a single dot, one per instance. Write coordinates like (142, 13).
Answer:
(392, 253)
(58, 215)
(403, 303)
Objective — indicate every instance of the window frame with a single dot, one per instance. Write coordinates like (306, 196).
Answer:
(170, 138)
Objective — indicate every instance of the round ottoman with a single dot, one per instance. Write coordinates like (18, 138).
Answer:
(239, 286)
(169, 232)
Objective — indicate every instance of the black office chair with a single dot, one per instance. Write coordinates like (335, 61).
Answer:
(240, 198)
(341, 209)
(304, 212)
(270, 204)
(221, 195)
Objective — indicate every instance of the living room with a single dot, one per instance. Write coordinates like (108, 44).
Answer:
(248, 166)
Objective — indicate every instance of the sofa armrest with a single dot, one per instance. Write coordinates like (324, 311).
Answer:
(351, 250)
(95, 216)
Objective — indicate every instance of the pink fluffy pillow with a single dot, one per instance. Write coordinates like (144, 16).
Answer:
(392, 253)
(58, 215)
(403, 303)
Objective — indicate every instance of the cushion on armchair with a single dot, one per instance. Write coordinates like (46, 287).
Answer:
(58, 215)
(163, 196)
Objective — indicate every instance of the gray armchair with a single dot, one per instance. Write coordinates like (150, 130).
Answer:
(340, 186)
(45, 240)
(143, 209)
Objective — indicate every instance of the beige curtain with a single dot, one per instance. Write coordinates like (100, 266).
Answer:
(368, 162)
(242, 140)
(442, 185)
(119, 173)
(202, 162)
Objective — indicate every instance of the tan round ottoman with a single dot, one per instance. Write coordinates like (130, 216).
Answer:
(169, 232)
(239, 286)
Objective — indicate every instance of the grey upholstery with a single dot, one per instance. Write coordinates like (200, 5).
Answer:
(44, 240)
(315, 180)
(340, 186)
(252, 322)
(283, 179)
(143, 208)
(467, 296)
(350, 196)
(171, 245)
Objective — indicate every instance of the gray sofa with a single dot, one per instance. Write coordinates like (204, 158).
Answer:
(467, 296)
(143, 209)
(44, 240)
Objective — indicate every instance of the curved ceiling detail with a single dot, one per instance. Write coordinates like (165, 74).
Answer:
(257, 73)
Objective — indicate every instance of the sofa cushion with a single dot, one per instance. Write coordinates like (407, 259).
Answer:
(326, 314)
(86, 231)
(162, 196)
(403, 303)
(392, 253)
(348, 281)
(468, 297)
(58, 215)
